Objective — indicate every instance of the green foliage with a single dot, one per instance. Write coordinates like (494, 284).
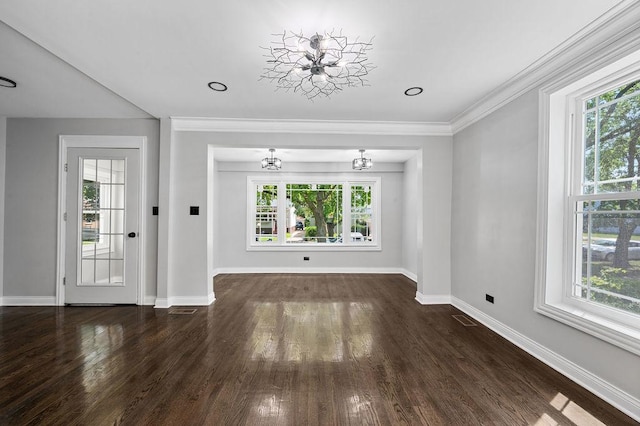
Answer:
(310, 231)
(612, 135)
(91, 194)
(361, 227)
(618, 281)
(323, 202)
(266, 195)
(612, 152)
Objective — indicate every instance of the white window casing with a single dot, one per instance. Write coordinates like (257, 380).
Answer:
(559, 236)
(279, 242)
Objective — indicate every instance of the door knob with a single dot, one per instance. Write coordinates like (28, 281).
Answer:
(131, 234)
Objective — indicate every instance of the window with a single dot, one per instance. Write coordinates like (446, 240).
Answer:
(607, 201)
(266, 217)
(314, 213)
(588, 266)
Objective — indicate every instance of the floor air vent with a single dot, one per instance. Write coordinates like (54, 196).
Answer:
(464, 320)
(182, 311)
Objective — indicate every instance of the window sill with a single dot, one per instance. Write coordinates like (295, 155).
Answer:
(314, 247)
(613, 332)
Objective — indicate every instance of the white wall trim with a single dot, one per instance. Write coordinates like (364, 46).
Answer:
(3, 156)
(166, 303)
(618, 23)
(413, 277)
(29, 301)
(191, 300)
(341, 127)
(308, 270)
(433, 299)
(162, 303)
(620, 399)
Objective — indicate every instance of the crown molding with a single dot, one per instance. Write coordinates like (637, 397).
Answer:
(342, 127)
(614, 33)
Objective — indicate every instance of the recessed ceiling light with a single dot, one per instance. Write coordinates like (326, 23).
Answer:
(5, 82)
(217, 86)
(413, 91)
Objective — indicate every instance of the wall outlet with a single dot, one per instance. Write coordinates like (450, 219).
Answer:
(488, 298)
(194, 210)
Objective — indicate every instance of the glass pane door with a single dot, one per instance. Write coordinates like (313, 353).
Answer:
(101, 222)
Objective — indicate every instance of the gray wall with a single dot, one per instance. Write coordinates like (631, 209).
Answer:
(494, 239)
(3, 146)
(231, 238)
(189, 276)
(31, 198)
(409, 211)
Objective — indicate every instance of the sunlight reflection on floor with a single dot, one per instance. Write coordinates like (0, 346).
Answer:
(311, 331)
(571, 411)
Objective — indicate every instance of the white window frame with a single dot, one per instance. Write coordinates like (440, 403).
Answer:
(346, 181)
(559, 166)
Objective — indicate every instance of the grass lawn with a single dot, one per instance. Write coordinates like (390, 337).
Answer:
(611, 236)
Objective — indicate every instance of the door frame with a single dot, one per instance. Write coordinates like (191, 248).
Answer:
(92, 141)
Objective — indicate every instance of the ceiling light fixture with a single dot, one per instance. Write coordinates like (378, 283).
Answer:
(361, 163)
(217, 86)
(413, 91)
(271, 162)
(318, 65)
(5, 82)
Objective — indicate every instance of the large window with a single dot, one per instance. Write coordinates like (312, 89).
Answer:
(606, 199)
(313, 213)
(588, 266)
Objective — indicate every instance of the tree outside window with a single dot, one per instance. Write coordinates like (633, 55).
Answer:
(608, 201)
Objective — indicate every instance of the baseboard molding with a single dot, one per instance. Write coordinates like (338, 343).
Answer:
(433, 299)
(191, 301)
(162, 303)
(303, 270)
(413, 277)
(620, 399)
(165, 303)
(29, 301)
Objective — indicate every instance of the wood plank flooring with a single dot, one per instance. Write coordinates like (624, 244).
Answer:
(279, 349)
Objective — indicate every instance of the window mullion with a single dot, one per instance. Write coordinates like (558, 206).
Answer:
(346, 213)
(281, 218)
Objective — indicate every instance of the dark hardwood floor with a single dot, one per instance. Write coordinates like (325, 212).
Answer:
(278, 349)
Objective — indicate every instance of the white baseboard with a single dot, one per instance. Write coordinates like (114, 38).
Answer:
(162, 303)
(433, 299)
(29, 301)
(165, 303)
(309, 270)
(413, 277)
(191, 300)
(620, 399)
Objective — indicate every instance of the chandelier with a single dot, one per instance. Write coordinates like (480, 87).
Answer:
(271, 162)
(318, 65)
(361, 163)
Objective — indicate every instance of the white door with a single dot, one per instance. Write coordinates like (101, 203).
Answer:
(102, 239)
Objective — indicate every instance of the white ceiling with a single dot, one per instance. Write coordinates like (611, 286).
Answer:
(154, 58)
